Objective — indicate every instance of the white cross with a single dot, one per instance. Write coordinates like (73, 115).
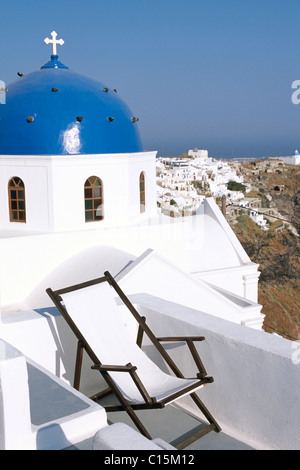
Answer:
(53, 41)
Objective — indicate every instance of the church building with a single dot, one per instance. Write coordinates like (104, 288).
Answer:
(78, 197)
(71, 155)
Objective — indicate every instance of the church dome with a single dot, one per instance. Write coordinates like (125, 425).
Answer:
(55, 111)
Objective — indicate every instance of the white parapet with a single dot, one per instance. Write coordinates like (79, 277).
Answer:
(38, 410)
(15, 422)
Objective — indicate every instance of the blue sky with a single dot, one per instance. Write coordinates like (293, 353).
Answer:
(212, 74)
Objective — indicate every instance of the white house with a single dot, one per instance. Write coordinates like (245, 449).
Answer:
(258, 219)
(292, 160)
(200, 155)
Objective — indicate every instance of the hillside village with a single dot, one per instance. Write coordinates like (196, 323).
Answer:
(261, 201)
(183, 182)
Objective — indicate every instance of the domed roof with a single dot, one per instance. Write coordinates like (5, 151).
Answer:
(55, 111)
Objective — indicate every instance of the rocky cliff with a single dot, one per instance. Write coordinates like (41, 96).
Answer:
(277, 253)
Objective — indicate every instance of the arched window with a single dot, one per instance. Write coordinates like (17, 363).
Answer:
(142, 193)
(93, 199)
(16, 199)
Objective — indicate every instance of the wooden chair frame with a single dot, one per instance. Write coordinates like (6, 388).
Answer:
(104, 369)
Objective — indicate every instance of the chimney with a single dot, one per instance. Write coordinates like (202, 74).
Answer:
(224, 205)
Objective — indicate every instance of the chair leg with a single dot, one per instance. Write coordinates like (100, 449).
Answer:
(138, 422)
(213, 426)
(78, 364)
(125, 406)
(190, 439)
(206, 412)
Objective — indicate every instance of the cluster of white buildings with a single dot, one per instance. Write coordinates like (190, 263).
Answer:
(182, 183)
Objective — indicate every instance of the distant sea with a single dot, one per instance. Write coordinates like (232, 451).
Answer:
(242, 159)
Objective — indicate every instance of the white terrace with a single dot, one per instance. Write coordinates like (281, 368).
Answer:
(254, 397)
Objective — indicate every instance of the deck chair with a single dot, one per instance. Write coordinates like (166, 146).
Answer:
(103, 331)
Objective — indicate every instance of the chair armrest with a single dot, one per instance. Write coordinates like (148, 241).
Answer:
(181, 338)
(189, 340)
(103, 368)
(114, 368)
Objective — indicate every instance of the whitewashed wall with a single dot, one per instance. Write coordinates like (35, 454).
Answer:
(54, 189)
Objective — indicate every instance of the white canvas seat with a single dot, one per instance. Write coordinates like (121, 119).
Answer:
(106, 332)
(113, 342)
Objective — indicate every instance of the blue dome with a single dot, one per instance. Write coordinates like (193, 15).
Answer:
(55, 111)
